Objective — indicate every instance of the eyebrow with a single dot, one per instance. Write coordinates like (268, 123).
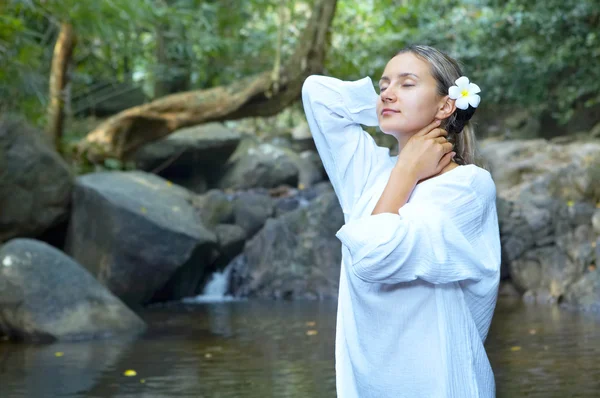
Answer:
(405, 74)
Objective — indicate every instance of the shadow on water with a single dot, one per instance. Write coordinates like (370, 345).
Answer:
(285, 349)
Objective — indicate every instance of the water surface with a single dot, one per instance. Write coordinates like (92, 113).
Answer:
(285, 349)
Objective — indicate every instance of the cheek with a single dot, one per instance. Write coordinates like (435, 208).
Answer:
(420, 107)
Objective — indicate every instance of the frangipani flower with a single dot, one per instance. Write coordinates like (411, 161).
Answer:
(465, 93)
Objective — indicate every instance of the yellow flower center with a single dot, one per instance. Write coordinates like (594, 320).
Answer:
(464, 93)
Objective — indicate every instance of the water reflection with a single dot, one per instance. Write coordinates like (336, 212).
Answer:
(56, 370)
(285, 349)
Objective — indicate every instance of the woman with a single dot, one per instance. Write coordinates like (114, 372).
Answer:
(420, 244)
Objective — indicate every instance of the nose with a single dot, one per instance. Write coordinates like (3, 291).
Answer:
(387, 96)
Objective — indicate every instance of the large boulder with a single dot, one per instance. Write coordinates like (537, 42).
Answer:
(294, 256)
(260, 166)
(192, 157)
(35, 182)
(547, 199)
(45, 295)
(251, 209)
(257, 164)
(134, 230)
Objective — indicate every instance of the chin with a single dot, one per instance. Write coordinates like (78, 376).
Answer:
(391, 129)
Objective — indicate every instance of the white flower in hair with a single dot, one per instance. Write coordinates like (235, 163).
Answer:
(465, 93)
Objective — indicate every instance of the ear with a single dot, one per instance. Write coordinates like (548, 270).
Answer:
(447, 106)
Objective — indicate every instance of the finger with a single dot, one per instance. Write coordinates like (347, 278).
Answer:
(437, 133)
(441, 140)
(428, 128)
(445, 161)
(447, 147)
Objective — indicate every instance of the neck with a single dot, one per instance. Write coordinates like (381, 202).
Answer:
(402, 140)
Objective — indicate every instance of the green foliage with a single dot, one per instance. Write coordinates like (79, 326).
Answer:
(541, 55)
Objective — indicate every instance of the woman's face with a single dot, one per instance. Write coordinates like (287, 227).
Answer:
(408, 98)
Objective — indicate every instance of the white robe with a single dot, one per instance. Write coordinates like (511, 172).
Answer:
(417, 288)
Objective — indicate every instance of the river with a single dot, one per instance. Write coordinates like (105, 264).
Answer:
(285, 349)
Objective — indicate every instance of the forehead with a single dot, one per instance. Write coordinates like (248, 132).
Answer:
(407, 63)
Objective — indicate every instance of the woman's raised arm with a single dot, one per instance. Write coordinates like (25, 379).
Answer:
(335, 110)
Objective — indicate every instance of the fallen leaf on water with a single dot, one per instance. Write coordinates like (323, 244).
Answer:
(311, 323)
(515, 348)
(130, 373)
(598, 205)
(311, 332)
(592, 267)
(532, 331)
(143, 210)
(208, 355)
(301, 186)
(169, 183)
(59, 354)
(142, 381)
(570, 203)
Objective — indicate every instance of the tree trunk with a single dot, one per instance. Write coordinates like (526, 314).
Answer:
(63, 50)
(121, 135)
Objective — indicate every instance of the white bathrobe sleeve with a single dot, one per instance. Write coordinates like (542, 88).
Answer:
(452, 237)
(335, 110)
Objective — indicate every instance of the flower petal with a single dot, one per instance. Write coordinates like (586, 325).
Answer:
(474, 100)
(462, 81)
(454, 92)
(462, 103)
(474, 88)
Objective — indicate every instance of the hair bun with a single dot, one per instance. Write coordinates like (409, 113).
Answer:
(462, 117)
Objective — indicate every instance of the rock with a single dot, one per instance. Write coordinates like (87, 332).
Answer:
(302, 138)
(596, 246)
(190, 280)
(299, 198)
(191, 157)
(215, 207)
(310, 169)
(251, 209)
(128, 227)
(544, 269)
(585, 293)
(596, 221)
(294, 256)
(231, 240)
(35, 182)
(261, 166)
(547, 198)
(595, 131)
(45, 295)
(507, 289)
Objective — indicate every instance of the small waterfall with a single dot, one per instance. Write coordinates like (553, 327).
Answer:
(215, 289)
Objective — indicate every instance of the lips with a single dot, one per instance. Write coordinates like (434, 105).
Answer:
(385, 111)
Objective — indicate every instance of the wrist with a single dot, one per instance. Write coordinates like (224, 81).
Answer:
(406, 173)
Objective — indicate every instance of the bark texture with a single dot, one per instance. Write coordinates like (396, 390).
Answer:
(259, 95)
(63, 50)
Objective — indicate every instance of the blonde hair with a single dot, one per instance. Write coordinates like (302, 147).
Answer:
(445, 70)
